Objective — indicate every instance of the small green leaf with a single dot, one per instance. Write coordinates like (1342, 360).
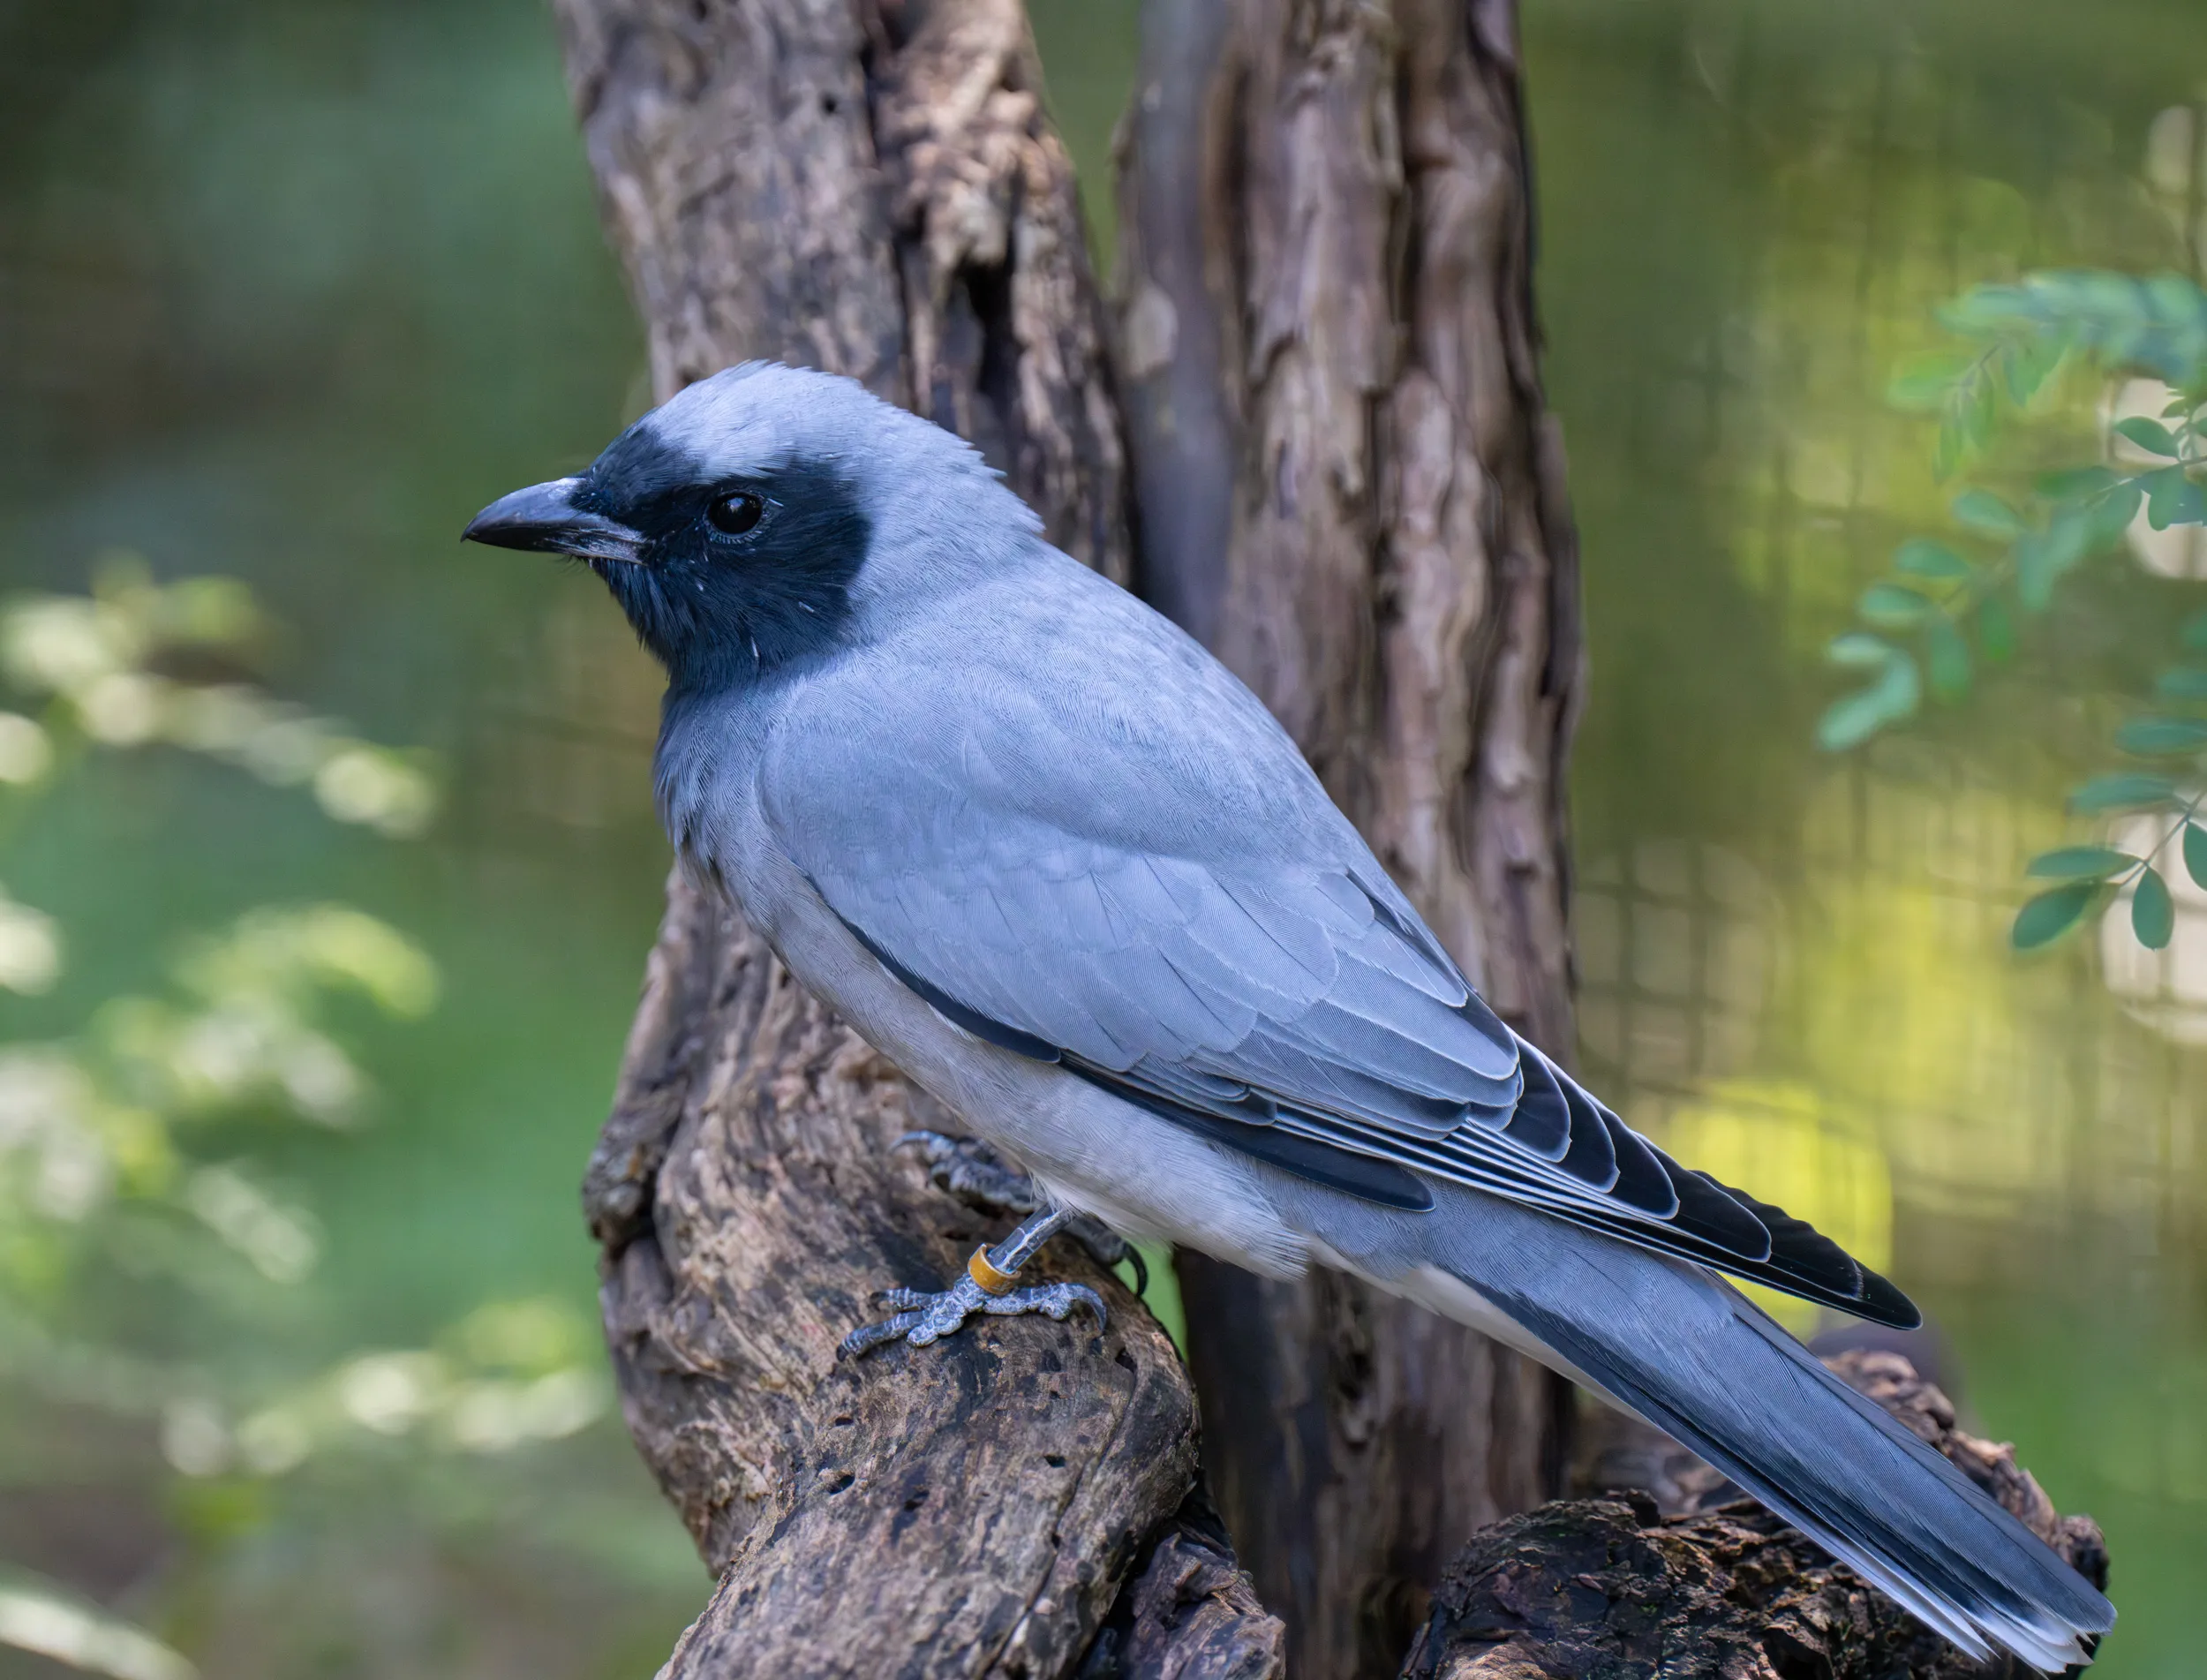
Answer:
(2195, 853)
(1891, 605)
(2028, 364)
(2125, 790)
(1921, 557)
(1850, 720)
(1859, 648)
(2051, 915)
(2152, 912)
(2150, 435)
(2111, 515)
(1925, 381)
(1948, 452)
(2069, 538)
(1982, 511)
(1900, 687)
(1972, 415)
(1945, 658)
(2182, 683)
(2079, 863)
(2171, 499)
(2035, 571)
(2159, 737)
(1853, 718)
(1996, 629)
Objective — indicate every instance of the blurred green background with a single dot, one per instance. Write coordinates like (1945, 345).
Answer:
(286, 291)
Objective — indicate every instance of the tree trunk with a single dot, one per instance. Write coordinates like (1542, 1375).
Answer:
(1348, 487)
(803, 179)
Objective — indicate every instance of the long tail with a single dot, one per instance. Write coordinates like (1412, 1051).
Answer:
(1688, 1353)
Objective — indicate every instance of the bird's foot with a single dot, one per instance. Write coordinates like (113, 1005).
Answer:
(989, 1285)
(973, 1173)
(921, 1318)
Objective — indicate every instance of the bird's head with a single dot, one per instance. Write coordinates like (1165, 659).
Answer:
(761, 517)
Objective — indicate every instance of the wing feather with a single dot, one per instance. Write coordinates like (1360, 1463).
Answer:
(1261, 982)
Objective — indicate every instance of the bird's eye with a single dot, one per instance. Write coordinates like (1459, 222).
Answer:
(736, 513)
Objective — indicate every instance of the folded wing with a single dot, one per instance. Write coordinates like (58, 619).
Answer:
(1295, 1009)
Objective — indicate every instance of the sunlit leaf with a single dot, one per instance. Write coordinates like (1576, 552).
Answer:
(2152, 912)
(2125, 790)
(1925, 381)
(1850, 720)
(2079, 863)
(1945, 658)
(1859, 648)
(2150, 435)
(1892, 606)
(2029, 363)
(85, 1637)
(1901, 689)
(1921, 557)
(2195, 853)
(1982, 511)
(1854, 717)
(2051, 915)
(1996, 629)
(2157, 737)
(2182, 683)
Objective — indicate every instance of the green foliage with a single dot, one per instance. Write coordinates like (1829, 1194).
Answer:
(2080, 864)
(1950, 608)
(2051, 915)
(126, 1172)
(2152, 912)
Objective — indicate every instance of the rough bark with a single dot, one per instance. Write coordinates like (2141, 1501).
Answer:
(1717, 1589)
(1349, 486)
(877, 194)
(869, 188)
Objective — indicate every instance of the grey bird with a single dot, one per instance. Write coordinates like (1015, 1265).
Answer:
(1054, 860)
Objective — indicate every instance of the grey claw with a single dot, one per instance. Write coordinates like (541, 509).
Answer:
(1141, 1270)
(1056, 1299)
(923, 1319)
(866, 1337)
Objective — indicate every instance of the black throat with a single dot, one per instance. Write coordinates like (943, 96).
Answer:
(719, 610)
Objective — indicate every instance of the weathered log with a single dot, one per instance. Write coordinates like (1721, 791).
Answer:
(1718, 1589)
(1349, 486)
(803, 179)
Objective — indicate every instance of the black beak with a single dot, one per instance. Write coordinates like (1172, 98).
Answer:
(543, 518)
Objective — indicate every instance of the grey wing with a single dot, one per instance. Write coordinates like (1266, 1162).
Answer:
(1277, 994)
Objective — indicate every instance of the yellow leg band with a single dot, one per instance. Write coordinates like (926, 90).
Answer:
(986, 1273)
